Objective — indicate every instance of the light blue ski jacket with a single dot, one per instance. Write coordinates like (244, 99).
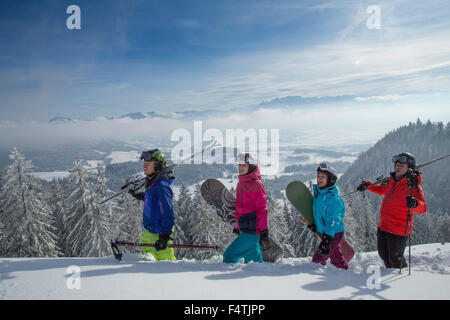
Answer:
(329, 210)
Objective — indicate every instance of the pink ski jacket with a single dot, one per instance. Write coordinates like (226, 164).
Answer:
(251, 204)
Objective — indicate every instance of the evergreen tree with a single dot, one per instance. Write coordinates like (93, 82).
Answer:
(79, 205)
(276, 223)
(296, 227)
(127, 220)
(27, 219)
(97, 236)
(205, 226)
(359, 222)
(183, 216)
(424, 230)
(59, 208)
(291, 223)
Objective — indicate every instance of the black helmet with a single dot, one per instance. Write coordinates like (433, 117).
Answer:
(405, 157)
(155, 155)
(329, 171)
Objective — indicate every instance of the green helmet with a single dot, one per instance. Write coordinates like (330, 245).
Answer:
(155, 155)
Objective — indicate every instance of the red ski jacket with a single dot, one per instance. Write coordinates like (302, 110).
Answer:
(251, 204)
(393, 210)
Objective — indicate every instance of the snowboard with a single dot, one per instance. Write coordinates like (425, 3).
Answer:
(217, 195)
(301, 198)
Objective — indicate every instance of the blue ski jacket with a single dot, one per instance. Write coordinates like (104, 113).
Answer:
(329, 210)
(158, 214)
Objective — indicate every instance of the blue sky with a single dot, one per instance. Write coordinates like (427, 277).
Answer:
(181, 55)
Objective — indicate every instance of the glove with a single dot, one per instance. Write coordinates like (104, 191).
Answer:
(264, 239)
(137, 196)
(411, 202)
(312, 227)
(161, 243)
(324, 246)
(363, 186)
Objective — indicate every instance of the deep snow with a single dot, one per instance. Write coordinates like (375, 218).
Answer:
(138, 277)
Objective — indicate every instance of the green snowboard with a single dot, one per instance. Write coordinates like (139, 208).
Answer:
(301, 198)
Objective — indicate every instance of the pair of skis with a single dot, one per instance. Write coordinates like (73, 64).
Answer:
(139, 181)
(118, 253)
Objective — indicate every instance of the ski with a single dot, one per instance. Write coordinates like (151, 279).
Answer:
(137, 182)
(118, 254)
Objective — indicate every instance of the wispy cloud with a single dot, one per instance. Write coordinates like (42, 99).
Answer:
(222, 56)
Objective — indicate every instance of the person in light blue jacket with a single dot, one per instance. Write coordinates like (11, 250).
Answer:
(329, 210)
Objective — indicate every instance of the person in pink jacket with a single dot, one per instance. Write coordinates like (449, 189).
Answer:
(251, 215)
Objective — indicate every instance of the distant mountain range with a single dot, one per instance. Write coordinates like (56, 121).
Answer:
(285, 102)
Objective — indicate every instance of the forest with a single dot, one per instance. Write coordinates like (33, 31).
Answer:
(63, 217)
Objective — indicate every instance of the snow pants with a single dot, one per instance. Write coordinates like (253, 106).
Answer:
(391, 248)
(336, 255)
(166, 254)
(246, 246)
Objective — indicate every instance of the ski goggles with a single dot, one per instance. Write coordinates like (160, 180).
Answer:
(324, 167)
(399, 158)
(153, 155)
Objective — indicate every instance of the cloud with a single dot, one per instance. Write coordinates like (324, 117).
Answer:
(310, 125)
(408, 54)
(392, 97)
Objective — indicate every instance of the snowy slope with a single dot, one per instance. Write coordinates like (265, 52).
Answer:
(299, 278)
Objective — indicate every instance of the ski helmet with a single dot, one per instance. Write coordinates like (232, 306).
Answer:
(244, 158)
(329, 171)
(405, 157)
(155, 155)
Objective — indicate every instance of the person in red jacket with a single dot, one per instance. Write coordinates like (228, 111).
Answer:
(403, 195)
(251, 215)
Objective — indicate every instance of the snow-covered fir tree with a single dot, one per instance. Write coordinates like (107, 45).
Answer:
(292, 221)
(359, 222)
(127, 220)
(206, 228)
(426, 229)
(183, 219)
(79, 204)
(277, 225)
(59, 207)
(96, 222)
(28, 226)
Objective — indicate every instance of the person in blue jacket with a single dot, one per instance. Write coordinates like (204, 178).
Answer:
(329, 210)
(158, 216)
